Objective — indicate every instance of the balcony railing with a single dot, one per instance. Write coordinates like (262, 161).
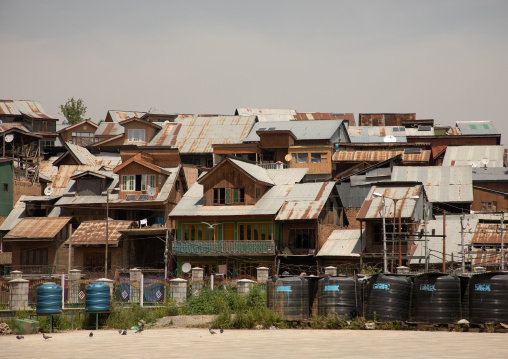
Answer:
(273, 166)
(223, 247)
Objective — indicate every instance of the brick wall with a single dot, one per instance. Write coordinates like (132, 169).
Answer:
(25, 188)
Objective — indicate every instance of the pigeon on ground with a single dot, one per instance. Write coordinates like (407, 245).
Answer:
(90, 335)
(221, 330)
(124, 332)
(46, 337)
(120, 331)
(20, 337)
(141, 327)
(211, 331)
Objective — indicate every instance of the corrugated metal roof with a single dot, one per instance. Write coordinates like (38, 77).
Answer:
(275, 118)
(489, 233)
(490, 174)
(453, 131)
(415, 132)
(15, 216)
(303, 130)
(378, 156)
(376, 134)
(82, 154)
(343, 243)
(442, 184)
(467, 155)
(300, 210)
(118, 116)
(257, 172)
(91, 233)
(31, 109)
(453, 238)
(287, 176)
(406, 207)
(109, 129)
(486, 258)
(4, 127)
(468, 128)
(263, 111)
(37, 228)
(198, 134)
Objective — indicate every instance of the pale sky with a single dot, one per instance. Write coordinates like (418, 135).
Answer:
(446, 60)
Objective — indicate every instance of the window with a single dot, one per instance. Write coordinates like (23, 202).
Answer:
(473, 127)
(128, 182)
(489, 206)
(300, 158)
(318, 158)
(258, 192)
(197, 232)
(136, 135)
(255, 231)
(377, 233)
(302, 238)
(6, 187)
(228, 196)
(250, 269)
(485, 126)
(147, 181)
(34, 256)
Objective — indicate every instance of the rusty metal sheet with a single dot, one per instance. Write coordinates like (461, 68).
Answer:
(4, 127)
(486, 258)
(454, 131)
(301, 210)
(94, 232)
(468, 155)
(406, 207)
(31, 109)
(379, 156)
(489, 233)
(263, 111)
(343, 243)
(37, 228)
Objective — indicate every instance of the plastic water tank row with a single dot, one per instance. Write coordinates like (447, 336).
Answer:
(49, 298)
(429, 298)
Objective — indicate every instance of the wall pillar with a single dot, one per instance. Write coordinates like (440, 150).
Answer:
(19, 291)
(136, 291)
(262, 275)
(197, 280)
(16, 274)
(244, 286)
(178, 290)
(109, 282)
(331, 271)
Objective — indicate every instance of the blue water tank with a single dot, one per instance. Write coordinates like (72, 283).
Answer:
(49, 298)
(97, 297)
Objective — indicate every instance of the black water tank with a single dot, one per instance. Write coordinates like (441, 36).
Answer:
(436, 298)
(464, 297)
(338, 296)
(289, 297)
(388, 297)
(488, 298)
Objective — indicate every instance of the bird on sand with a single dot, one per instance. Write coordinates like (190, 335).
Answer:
(90, 335)
(46, 337)
(211, 331)
(221, 330)
(141, 327)
(20, 337)
(124, 332)
(120, 331)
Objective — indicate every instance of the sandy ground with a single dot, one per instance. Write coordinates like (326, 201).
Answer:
(278, 343)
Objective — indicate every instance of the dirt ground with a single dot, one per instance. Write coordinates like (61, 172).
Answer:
(183, 321)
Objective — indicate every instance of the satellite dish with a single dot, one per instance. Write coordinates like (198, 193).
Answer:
(9, 137)
(389, 138)
(48, 191)
(485, 160)
(288, 157)
(474, 164)
(186, 267)
(151, 191)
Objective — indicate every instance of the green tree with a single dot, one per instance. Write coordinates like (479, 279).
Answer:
(73, 110)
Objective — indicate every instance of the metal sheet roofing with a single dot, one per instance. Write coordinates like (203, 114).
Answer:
(406, 207)
(378, 156)
(263, 111)
(275, 118)
(287, 176)
(198, 134)
(344, 243)
(442, 184)
(257, 172)
(83, 156)
(91, 233)
(490, 174)
(468, 128)
(417, 132)
(303, 130)
(300, 210)
(37, 228)
(15, 216)
(489, 233)
(118, 116)
(453, 238)
(468, 155)
(109, 129)
(486, 258)
(31, 109)
(4, 127)
(376, 134)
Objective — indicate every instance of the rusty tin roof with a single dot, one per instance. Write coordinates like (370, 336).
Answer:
(92, 233)
(37, 228)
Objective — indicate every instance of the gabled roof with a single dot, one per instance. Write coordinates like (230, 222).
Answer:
(303, 130)
(98, 174)
(301, 209)
(442, 184)
(71, 127)
(118, 116)
(142, 121)
(477, 128)
(490, 174)
(31, 109)
(80, 154)
(92, 233)
(191, 134)
(138, 159)
(344, 243)
(257, 173)
(15, 216)
(13, 126)
(263, 111)
(468, 155)
(37, 228)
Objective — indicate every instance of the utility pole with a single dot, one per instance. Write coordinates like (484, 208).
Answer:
(425, 217)
(444, 241)
(385, 260)
(502, 242)
(462, 243)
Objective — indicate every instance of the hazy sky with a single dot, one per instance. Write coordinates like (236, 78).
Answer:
(446, 60)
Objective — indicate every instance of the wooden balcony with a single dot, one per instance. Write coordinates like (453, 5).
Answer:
(223, 247)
